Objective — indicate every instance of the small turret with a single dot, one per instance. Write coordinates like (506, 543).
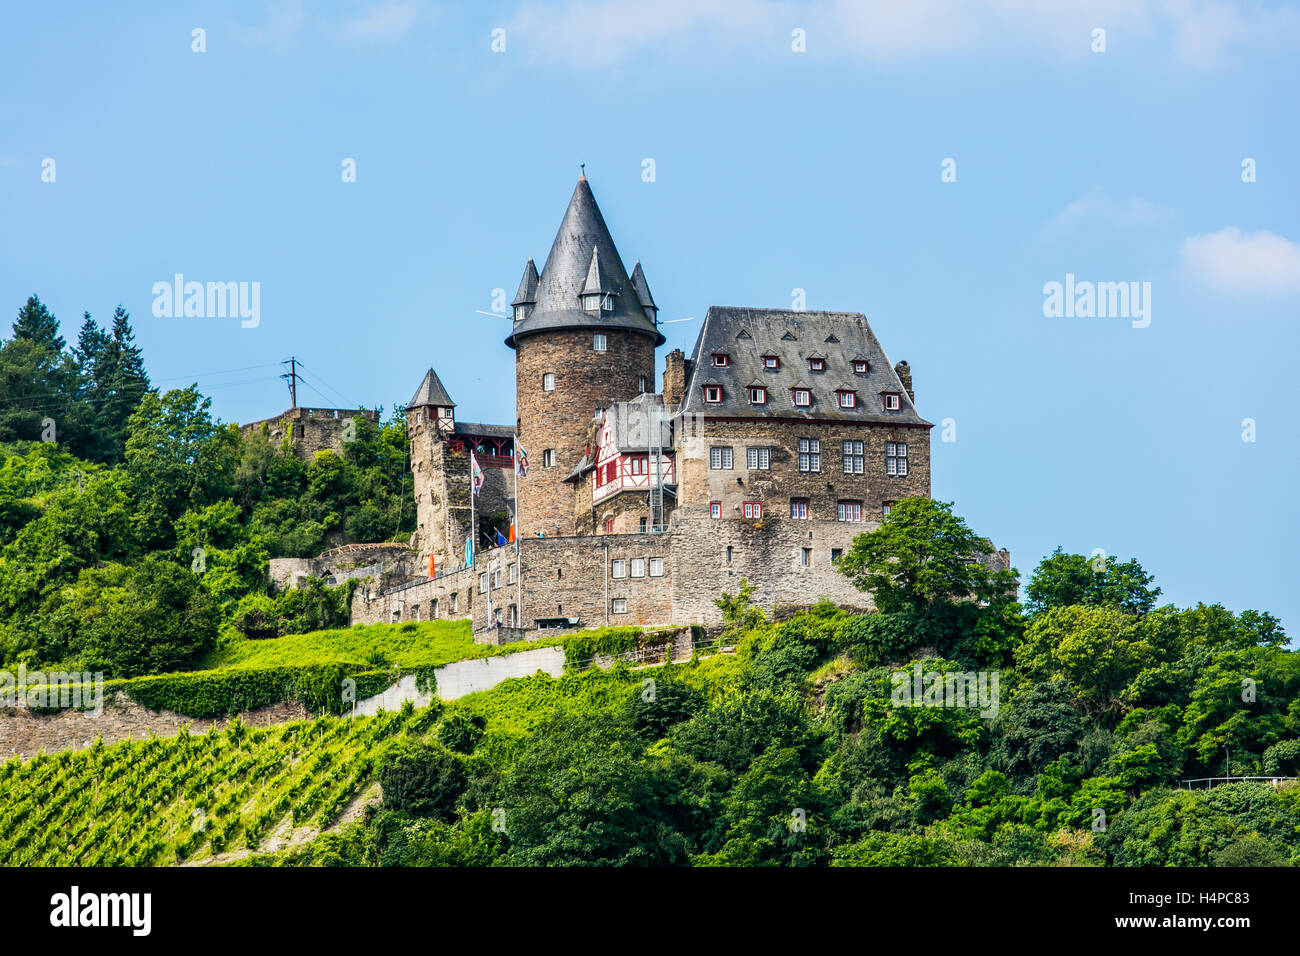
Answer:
(526, 297)
(642, 289)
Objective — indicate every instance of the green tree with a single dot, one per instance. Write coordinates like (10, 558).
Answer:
(923, 555)
(1061, 580)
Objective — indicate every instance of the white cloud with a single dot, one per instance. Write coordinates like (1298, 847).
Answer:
(391, 18)
(595, 33)
(1097, 206)
(1232, 261)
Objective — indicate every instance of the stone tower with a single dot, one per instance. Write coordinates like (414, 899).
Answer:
(584, 337)
(430, 420)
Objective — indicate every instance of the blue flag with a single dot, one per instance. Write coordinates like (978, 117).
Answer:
(501, 539)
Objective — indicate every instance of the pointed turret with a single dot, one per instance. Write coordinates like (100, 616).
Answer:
(642, 289)
(431, 392)
(583, 249)
(526, 297)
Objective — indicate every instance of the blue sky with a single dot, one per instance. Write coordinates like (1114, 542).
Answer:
(774, 170)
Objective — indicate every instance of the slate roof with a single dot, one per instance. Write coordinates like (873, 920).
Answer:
(746, 335)
(484, 431)
(527, 293)
(431, 392)
(583, 240)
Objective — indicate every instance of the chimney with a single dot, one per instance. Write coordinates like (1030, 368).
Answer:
(904, 372)
(674, 378)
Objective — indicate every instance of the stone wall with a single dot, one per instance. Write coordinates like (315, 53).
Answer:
(557, 420)
(24, 731)
(310, 429)
(386, 564)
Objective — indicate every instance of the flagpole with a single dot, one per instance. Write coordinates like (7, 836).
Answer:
(519, 565)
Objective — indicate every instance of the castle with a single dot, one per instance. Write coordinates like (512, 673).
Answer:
(780, 438)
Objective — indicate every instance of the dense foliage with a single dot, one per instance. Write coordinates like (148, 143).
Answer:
(135, 529)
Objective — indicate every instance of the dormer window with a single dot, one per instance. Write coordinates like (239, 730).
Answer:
(848, 399)
(771, 362)
(758, 395)
(802, 397)
(713, 394)
(521, 313)
(721, 359)
(860, 366)
(817, 365)
(892, 401)
(596, 302)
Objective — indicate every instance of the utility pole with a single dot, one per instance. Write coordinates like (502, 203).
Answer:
(291, 377)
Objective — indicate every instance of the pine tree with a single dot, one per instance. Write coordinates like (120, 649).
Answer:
(91, 342)
(37, 324)
(120, 382)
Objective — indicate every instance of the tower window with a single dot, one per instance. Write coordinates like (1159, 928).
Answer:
(609, 526)
(637, 567)
(896, 458)
(548, 458)
(598, 342)
(618, 568)
(591, 303)
(656, 567)
(805, 557)
(548, 381)
(713, 394)
(715, 509)
(641, 385)
(721, 359)
(521, 313)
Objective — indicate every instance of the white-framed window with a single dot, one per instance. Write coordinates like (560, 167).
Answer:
(771, 362)
(598, 342)
(641, 385)
(715, 509)
(896, 458)
(514, 573)
(713, 394)
(816, 365)
(591, 302)
(619, 605)
(637, 567)
(753, 509)
(758, 395)
(848, 399)
(860, 366)
(805, 557)
(548, 381)
(799, 508)
(885, 509)
(721, 359)
(548, 457)
(607, 302)
(638, 464)
(853, 457)
(483, 583)
(656, 567)
(849, 511)
(802, 397)
(759, 459)
(719, 457)
(618, 568)
(810, 454)
(521, 313)
(892, 402)
(496, 578)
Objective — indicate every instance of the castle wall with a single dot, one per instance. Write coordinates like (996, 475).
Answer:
(310, 429)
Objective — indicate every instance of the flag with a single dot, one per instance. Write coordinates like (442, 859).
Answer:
(501, 539)
(469, 552)
(510, 538)
(521, 461)
(431, 566)
(476, 473)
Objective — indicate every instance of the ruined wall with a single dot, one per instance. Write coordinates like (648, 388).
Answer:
(585, 382)
(310, 429)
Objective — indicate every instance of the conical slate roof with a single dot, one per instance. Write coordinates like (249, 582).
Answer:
(431, 392)
(583, 241)
(642, 288)
(595, 281)
(527, 293)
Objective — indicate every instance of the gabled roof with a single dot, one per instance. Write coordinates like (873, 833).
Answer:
(595, 282)
(583, 240)
(431, 392)
(849, 336)
(527, 293)
(642, 288)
